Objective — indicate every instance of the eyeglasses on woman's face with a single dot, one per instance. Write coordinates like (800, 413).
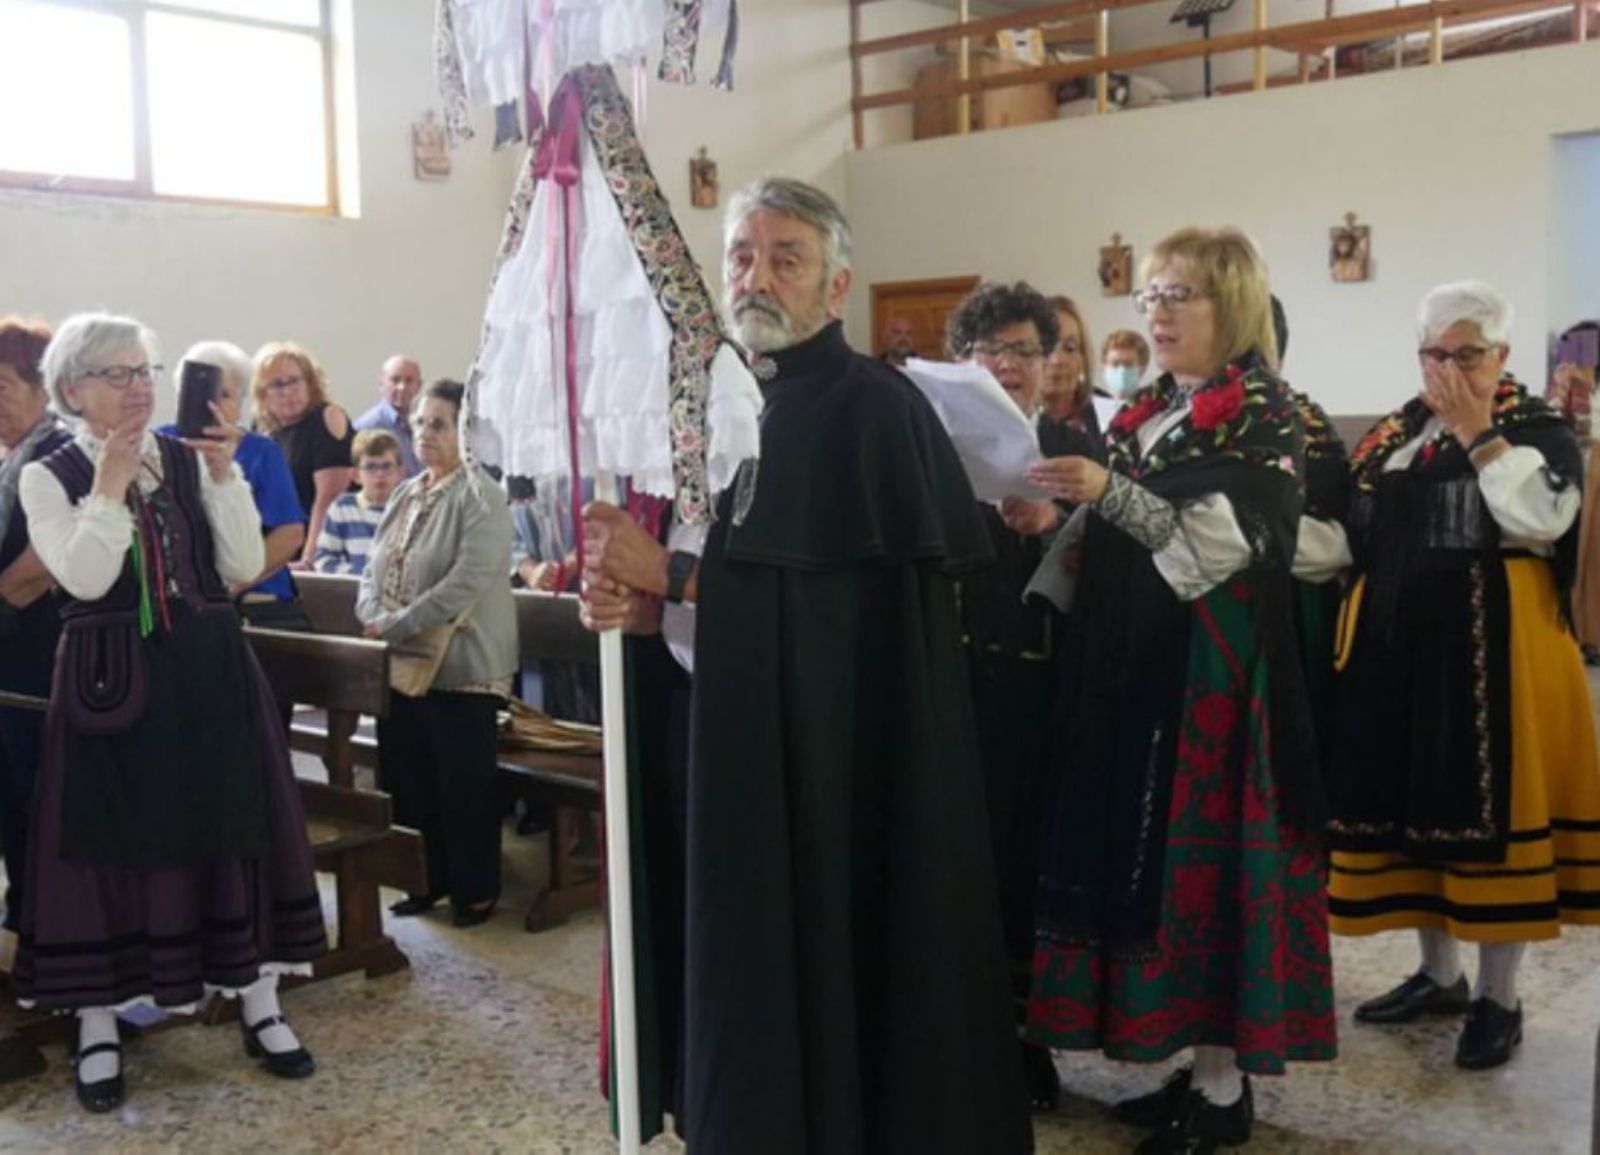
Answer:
(1146, 300)
(1466, 357)
(121, 376)
(285, 383)
(996, 350)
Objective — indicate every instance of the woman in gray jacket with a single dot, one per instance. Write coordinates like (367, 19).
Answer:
(439, 557)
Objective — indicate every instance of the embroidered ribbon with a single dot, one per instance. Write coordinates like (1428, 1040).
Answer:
(681, 39)
(447, 73)
(675, 281)
(730, 45)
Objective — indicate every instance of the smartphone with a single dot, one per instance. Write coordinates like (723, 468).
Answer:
(198, 389)
(1581, 349)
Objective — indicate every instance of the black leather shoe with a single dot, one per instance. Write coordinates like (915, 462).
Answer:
(1158, 1107)
(1417, 996)
(1202, 1127)
(415, 904)
(1492, 1033)
(295, 1064)
(473, 915)
(107, 1094)
(1044, 1082)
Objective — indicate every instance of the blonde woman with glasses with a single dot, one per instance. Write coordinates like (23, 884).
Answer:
(1181, 902)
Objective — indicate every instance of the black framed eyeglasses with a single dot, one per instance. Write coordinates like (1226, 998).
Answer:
(121, 376)
(995, 350)
(1466, 357)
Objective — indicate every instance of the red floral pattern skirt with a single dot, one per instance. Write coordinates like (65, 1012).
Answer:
(1241, 952)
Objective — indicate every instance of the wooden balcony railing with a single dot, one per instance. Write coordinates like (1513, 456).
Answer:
(1314, 42)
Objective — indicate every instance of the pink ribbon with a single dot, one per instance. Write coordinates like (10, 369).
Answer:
(559, 159)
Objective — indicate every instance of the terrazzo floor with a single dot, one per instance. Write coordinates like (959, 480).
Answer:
(488, 1044)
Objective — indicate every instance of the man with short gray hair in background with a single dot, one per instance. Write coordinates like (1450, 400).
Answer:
(399, 382)
(846, 984)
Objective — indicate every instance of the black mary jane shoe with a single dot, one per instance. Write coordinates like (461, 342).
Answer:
(473, 915)
(1490, 1036)
(295, 1064)
(413, 904)
(106, 1094)
(1203, 1128)
(1159, 1107)
(1419, 995)
(1044, 1081)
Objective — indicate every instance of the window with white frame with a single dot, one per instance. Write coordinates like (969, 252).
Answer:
(201, 100)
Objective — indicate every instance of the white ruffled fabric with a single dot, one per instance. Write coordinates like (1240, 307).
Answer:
(495, 38)
(623, 357)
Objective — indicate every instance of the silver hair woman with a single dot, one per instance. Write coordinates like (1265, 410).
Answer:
(167, 812)
(1468, 761)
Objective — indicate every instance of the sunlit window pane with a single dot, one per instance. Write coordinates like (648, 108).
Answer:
(305, 12)
(65, 92)
(236, 112)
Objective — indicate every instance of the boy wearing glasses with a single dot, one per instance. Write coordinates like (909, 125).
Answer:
(353, 518)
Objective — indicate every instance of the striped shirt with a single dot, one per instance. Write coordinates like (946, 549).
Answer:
(347, 535)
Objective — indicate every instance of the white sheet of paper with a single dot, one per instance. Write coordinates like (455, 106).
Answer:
(1105, 408)
(995, 441)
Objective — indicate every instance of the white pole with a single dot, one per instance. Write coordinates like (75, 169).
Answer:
(619, 875)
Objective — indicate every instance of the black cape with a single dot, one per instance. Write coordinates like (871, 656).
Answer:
(847, 989)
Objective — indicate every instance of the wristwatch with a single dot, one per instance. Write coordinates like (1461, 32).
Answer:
(680, 568)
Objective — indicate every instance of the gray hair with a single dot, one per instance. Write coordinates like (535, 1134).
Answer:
(1473, 302)
(225, 355)
(795, 198)
(81, 343)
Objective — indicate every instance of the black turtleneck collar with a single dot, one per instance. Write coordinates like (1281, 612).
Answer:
(824, 353)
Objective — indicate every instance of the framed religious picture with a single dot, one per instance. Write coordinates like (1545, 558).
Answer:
(1350, 251)
(702, 181)
(1116, 268)
(430, 158)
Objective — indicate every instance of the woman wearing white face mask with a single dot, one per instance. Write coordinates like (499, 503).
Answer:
(1123, 359)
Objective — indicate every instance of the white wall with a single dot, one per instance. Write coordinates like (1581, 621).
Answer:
(409, 274)
(1449, 166)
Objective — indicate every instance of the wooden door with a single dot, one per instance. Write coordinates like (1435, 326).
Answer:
(926, 304)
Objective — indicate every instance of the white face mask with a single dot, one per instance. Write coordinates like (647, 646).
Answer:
(1121, 380)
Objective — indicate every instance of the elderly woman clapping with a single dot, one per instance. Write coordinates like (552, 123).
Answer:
(436, 578)
(168, 856)
(1465, 788)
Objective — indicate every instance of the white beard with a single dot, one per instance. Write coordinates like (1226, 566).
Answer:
(760, 332)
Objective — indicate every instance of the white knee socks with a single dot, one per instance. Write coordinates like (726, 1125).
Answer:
(1216, 1075)
(1441, 956)
(1497, 972)
(97, 1025)
(259, 1001)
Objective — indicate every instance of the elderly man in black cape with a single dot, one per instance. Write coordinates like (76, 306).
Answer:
(846, 983)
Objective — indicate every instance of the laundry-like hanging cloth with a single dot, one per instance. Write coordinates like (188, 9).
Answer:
(685, 19)
(663, 397)
(504, 49)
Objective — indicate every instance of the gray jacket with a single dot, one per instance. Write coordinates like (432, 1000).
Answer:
(457, 562)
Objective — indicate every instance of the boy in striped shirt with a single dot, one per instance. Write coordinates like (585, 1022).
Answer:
(353, 519)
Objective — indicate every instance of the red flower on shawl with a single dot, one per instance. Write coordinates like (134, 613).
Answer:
(1215, 715)
(1219, 404)
(1130, 417)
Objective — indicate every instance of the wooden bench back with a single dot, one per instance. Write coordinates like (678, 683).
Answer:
(548, 628)
(329, 672)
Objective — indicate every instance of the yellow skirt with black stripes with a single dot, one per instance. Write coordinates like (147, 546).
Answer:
(1551, 873)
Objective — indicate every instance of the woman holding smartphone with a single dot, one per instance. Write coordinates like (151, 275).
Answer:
(168, 856)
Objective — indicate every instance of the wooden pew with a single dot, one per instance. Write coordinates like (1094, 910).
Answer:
(352, 832)
(548, 629)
